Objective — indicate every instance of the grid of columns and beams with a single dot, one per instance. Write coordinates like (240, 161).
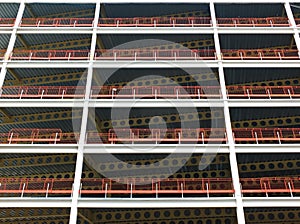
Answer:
(59, 84)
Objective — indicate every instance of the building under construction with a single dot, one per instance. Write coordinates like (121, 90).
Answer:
(181, 112)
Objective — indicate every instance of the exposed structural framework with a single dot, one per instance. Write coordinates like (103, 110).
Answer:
(181, 112)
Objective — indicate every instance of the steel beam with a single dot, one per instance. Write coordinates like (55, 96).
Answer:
(25, 44)
(11, 42)
(41, 80)
(60, 45)
(15, 75)
(84, 122)
(73, 14)
(30, 11)
(42, 117)
(4, 112)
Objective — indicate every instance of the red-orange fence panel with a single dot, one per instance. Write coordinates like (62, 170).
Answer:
(266, 185)
(203, 135)
(23, 186)
(7, 22)
(257, 135)
(263, 91)
(56, 22)
(253, 22)
(135, 186)
(259, 54)
(156, 136)
(139, 54)
(155, 92)
(34, 135)
(155, 22)
(50, 55)
(42, 92)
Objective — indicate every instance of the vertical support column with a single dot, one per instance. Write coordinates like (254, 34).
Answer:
(216, 37)
(80, 153)
(12, 41)
(232, 154)
(291, 18)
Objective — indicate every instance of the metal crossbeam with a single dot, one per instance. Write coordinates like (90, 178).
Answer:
(256, 217)
(267, 122)
(143, 121)
(86, 220)
(165, 214)
(179, 79)
(273, 82)
(58, 175)
(30, 11)
(176, 79)
(100, 43)
(49, 79)
(32, 161)
(177, 219)
(89, 13)
(42, 117)
(20, 213)
(73, 14)
(24, 42)
(168, 118)
(173, 118)
(193, 160)
(60, 45)
(4, 112)
(19, 219)
(15, 75)
(267, 166)
(253, 167)
(71, 44)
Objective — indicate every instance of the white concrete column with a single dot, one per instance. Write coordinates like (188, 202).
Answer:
(232, 154)
(291, 18)
(11, 42)
(84, 121)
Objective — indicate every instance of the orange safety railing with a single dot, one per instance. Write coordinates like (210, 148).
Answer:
(202, 135)
(267, 185)
(42, 92)
(7, 22)
(156, 22)
(34, 135)
(150, 22)
(135, 135)
(157, 186)
(155, 92)
(263, 91)
(253, 22)
(259, 54)
(257, 135)
(50, 55)
(140, 54)
(31, 136)
(38, 135)
(57, 22)
(177, 187)
(23, 186)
